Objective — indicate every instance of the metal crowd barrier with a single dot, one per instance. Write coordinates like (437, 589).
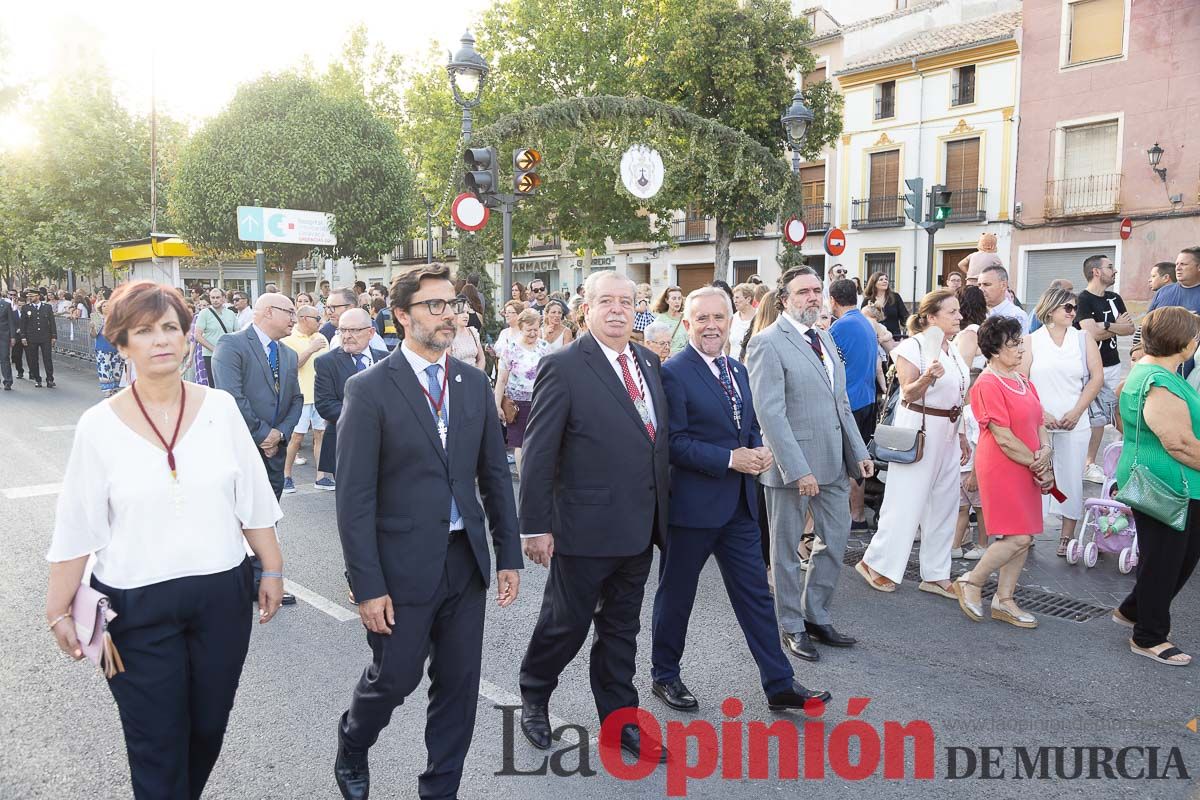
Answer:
(75, 338)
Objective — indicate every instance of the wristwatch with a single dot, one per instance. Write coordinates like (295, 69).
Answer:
(1107, 324)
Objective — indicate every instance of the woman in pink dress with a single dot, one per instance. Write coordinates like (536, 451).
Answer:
(1013, 462)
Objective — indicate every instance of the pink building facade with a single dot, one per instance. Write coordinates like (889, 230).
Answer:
(1102, 83)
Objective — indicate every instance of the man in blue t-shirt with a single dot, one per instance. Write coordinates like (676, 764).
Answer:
(855, 337)
(1185, 291)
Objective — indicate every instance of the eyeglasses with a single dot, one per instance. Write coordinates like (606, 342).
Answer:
(1069, 308)
(438, 306)
(538, 290)
(287, 311)
(354, 331)
(313, 317)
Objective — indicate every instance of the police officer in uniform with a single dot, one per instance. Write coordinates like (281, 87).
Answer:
(38, 334)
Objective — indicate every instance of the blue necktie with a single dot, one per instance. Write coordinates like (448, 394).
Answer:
(734, 399)
(273, 360)
(435, 390)
(359, 363)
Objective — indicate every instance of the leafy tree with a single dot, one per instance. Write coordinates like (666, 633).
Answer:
(289, 142)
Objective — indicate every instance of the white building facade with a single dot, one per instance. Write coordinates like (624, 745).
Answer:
(939, 105)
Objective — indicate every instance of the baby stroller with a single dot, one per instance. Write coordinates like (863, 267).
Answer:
(1107, 525)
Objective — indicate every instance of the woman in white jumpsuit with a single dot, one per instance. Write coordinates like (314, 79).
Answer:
(925, 494)
(1055, 363)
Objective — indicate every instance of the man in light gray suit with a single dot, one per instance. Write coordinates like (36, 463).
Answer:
(262, 376)
(798, 383)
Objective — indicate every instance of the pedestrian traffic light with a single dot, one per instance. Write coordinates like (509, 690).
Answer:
(939, 203)
(526, 180)
(482, 177)
(913, 198)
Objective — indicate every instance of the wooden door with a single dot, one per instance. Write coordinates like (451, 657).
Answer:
(950, 259)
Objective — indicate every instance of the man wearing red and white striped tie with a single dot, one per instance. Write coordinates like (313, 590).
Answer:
(594, 494)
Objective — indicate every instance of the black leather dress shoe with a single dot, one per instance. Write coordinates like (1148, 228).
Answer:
(352, 774)
(50, 385)
(795, 698)
(631, 743)
(535, 724)
(675, 694)
(799, 645)
(37, 384)
(288, 599)
(825, 634)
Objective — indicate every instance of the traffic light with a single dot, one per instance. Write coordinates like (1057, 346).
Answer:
(939, 203)
(526, 180)
(482, 177)
(913, 197)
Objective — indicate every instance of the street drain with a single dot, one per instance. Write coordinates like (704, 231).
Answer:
(1037, 601)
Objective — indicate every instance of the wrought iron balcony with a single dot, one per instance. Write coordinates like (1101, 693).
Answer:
(545, 241)
(1091, 194)
(968, 205)
(690, 229)
(878, 212)
(816, 217)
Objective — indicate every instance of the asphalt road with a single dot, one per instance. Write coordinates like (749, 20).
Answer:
(1063, 685)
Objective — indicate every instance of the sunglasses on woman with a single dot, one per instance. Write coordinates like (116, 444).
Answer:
(1069, 308)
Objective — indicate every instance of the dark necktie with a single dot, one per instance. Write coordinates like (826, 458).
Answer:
(815, 341)
(442, 415)
(735, 400)
(360, 363)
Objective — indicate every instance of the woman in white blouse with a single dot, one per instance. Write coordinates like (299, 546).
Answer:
(165, 488)
(1063, 364)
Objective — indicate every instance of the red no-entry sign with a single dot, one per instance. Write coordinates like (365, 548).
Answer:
(1126, 228)
(835, 242)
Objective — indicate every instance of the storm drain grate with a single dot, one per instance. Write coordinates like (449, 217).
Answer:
(1036, 601)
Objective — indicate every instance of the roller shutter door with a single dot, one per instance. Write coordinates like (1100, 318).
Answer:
(1043, 266)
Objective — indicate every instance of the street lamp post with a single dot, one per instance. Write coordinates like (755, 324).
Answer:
(467, 71)
(795, 124)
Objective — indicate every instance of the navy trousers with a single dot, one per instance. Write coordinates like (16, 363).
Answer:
(448, 631)
(183, 643)
(738, 550)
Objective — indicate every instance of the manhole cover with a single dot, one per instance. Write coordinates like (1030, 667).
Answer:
(1036, 601)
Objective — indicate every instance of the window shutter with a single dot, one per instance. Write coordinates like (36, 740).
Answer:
(1097, 30)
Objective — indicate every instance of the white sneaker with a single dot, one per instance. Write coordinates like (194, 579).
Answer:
(301, 461)
(975, 553)
(1093, 474)
(957, 552)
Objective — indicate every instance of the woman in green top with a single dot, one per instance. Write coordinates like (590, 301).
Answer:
(1168, 444)
(669, 309)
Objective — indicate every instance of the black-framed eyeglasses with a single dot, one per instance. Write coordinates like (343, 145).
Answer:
(355, 331)
(314, 317)
(539, 289)
(287, 311)
(438, 306)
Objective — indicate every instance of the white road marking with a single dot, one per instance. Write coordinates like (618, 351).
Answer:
(40, 490)
(56, 428)
(338, 612)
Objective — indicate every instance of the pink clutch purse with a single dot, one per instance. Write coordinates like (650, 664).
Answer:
(91, 614)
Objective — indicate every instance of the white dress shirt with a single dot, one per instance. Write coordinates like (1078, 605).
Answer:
(419, 365)
(245, 318)
(636, 369)
(263, 339)
(121, 503)
(827, 361)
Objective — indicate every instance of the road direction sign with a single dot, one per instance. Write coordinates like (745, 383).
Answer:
(795, 231)
(835, 242)
(468, 212)
(1126, 228)
(285, 225)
